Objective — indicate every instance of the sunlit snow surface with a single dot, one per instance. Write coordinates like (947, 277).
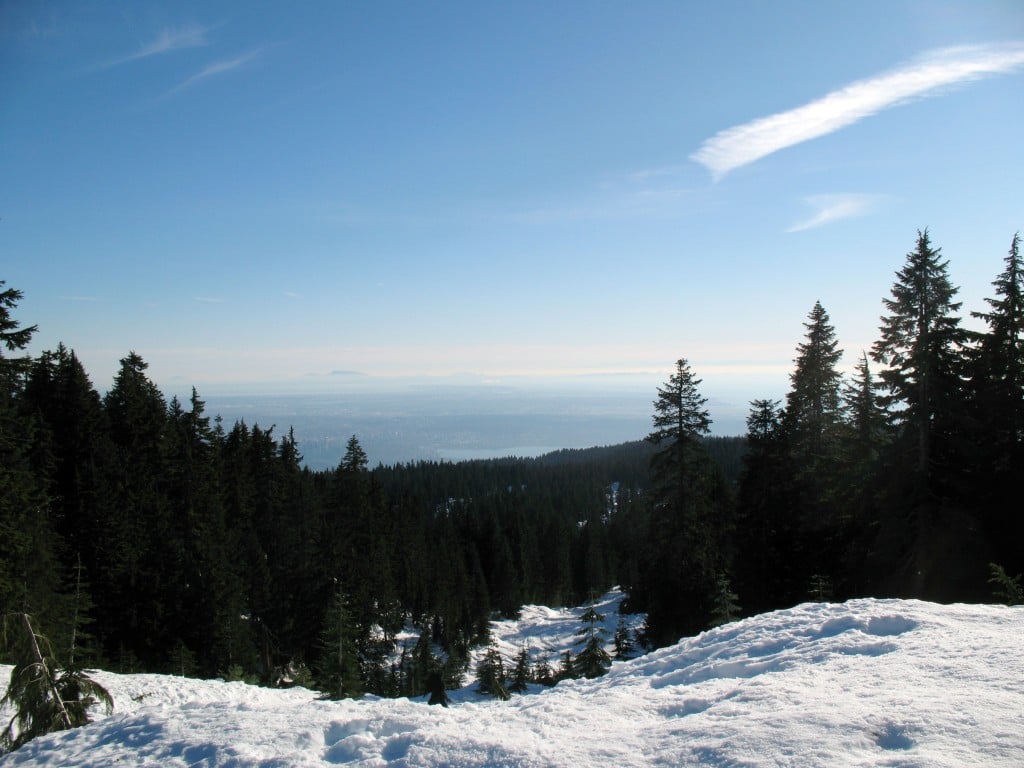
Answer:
(863, 683)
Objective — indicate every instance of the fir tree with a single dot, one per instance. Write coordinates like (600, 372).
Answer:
(520, 678)
(566, 667)
(812, 425)
(542, 672)
(687, 516)
(767, 527)
(29, 576)
(865, 419)
(813, 404)
(13, 338)
(862, 447)
(44, 696)
(1007, 589)
(997, 407)
(139, 579)
(725, 603)
(623, 640)
(923, 526)
(490, 675)
(998, 360)
(592, 660)
(338, 669)
(921, 345)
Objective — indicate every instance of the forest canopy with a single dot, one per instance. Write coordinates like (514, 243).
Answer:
(144, 534)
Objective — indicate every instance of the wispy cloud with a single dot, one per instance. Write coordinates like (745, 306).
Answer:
(835, 207)
(216, 68)
(192, 36)
(747, 143)
(208, 299)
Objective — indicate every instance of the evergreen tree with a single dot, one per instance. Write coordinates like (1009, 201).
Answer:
(689, 501)
(139, 577)
(924, 527)
(490, 675)
(1008, 590)
(767, 526)
(338, 669)
(866, 420)
(13, 338)
(422, 667)
(566, 667)
(725, 605)
(542, 672)
(998, 361)
(592, 660)
(520, 678)
(812, 410)
(623, 640)
(45, 697)
(921, 344)
(29, 576)
(863, 445)
(812, 423)
(997, 384)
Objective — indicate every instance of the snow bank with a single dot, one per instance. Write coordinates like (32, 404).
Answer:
(863, 683)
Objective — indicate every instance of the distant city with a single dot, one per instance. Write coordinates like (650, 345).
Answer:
(454, 423)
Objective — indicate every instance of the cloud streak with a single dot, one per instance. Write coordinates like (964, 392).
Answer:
(744, 144)
(834, 208)
(192, 36)
(216, 68)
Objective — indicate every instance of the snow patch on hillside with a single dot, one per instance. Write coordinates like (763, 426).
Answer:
(865, 683)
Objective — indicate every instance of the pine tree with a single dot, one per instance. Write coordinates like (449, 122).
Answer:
(1007, 589)
(542, 672)
(812, 424)
(688, 513)
(813, 404)
(338, 669)
(924, 527)
(997, 407)
(139, 578)
(520, 678)
(998, 361)
(725, 603)
(680, 419)
(566, 667)
(862, 447)
(623, 640)
(592, 660)
(767, 527)
(490, 675)
(921, 344)
(865, 418)
(13, 338)
(44, 696)
(29, 576)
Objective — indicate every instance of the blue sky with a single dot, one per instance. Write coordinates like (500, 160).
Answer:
(261, 195)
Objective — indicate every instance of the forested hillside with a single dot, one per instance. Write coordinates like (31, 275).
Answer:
(147, 535)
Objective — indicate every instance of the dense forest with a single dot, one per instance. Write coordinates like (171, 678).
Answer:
(146, 535)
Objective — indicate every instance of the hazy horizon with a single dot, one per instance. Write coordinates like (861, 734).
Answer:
(454, 422)
(532, 193)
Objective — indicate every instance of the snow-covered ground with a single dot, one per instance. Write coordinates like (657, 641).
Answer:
(863, 683)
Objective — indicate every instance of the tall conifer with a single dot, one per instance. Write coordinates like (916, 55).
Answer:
(687, 516)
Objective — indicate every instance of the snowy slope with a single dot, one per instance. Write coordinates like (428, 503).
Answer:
(864, 683)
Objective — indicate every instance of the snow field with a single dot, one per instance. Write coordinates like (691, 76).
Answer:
(862, 683)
